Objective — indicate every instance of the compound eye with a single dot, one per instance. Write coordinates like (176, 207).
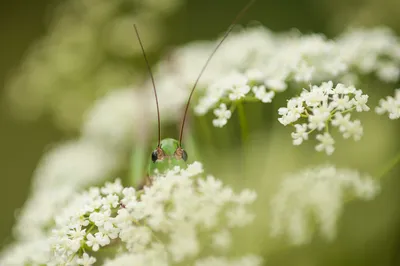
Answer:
(154, 156)
(184, 155)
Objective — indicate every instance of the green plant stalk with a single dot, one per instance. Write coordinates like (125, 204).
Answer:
(389, 166)
(243, 123)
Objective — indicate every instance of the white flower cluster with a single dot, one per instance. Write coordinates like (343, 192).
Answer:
(62, 171)
(317, 193)
(164, 224)
(321, 107)
(390, 105)
(371, 51)
(34, 252)
(255, 65)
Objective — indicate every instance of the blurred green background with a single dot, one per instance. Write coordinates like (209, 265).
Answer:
(23, 142)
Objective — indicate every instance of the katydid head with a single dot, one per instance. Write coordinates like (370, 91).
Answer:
(169, 148)
(168, 155)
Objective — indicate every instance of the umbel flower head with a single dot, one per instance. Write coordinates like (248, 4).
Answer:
(174, 221)
(255, 65)
(318, 192)
(321, 107)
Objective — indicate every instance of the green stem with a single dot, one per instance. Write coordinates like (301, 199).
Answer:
(138, 163)
(389, 166)
(243, 123)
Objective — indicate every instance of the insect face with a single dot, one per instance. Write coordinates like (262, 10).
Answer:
(169, 149)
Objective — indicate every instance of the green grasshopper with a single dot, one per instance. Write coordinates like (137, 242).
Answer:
(169, 152)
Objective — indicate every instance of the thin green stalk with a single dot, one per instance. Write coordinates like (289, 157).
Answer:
(243, 123)
(138, 163)
(389, 166)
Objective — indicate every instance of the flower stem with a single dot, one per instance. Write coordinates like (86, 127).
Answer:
(243, 123)
(389, 166)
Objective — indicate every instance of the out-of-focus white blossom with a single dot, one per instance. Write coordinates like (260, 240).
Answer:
(64, 170)
(390, 105)
(321, 106)
(32, 252)
(161, 225)
(88, 51)
(371, 51)
(118, 108)
(316, 193)
(74, 164)
(86, 260)
(222, 115)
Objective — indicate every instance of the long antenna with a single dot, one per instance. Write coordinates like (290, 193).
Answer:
(241, 13)
(152, 81)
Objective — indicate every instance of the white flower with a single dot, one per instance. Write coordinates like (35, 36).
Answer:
(129, 197)
(110, 200)
(183, 243)
(93, 242)
(360, 102)
(326, 144)
(112, 187)
(390, 105)
(255, 75)
(354, 129)
(238, 92)
(318, 119)
(86, 260)
(261, 94)
(77, 233)
(340, 102)
(292, 112)
(316, 193)
(276, 84)
(343, 122)
(389, 72)
(304, 73)
(300, 134)
(222, 115)
(321, 106)
(316, 96)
